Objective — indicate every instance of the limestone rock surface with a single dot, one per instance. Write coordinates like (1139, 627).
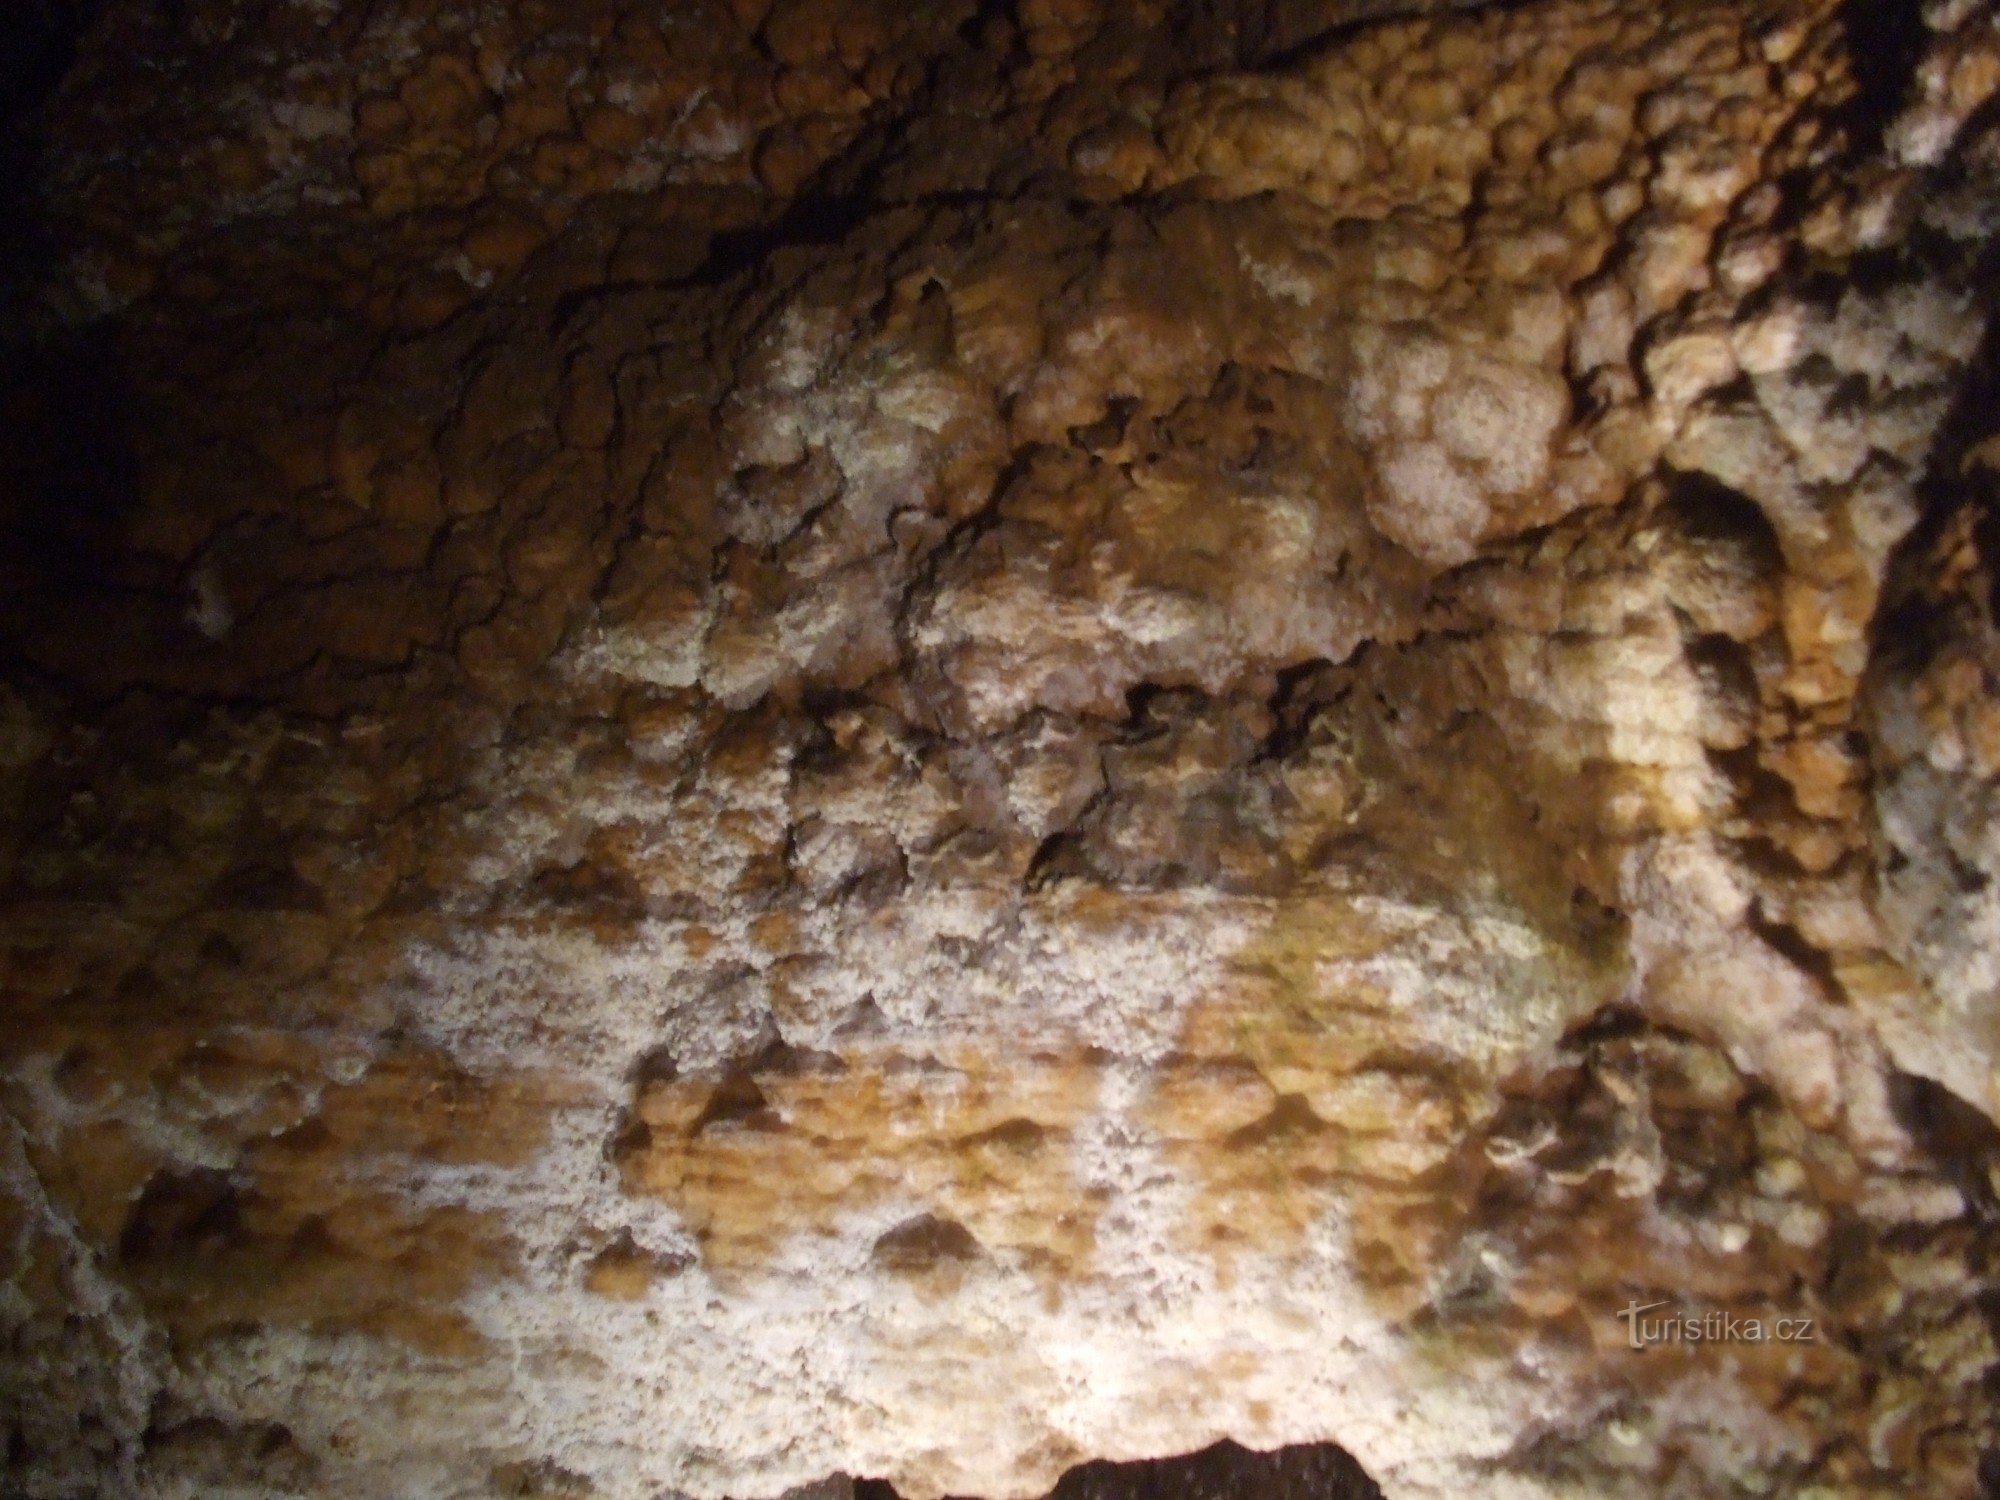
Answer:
(793, 738)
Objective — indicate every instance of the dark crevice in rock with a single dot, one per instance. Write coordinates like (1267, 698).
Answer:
(1958, 488)
(1964, 1142)
(1225, 1471)
(1278, 33)
(1886, 38)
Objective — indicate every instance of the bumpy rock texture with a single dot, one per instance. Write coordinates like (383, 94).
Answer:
(752, 740)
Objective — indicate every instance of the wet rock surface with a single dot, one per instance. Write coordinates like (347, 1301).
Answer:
(753, 741)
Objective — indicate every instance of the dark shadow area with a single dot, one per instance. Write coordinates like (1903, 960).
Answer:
(1964, 1142)
(69, 479)
(37, 45)
(1886, 38)
(1226, 1471)
(68, 473)
(1704, 509)
(1914, 619)
(1278, 33)
(37, 49)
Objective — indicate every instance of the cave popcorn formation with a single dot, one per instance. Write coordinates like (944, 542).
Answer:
(758, 741)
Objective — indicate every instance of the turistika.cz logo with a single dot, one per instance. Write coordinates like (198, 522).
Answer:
(1709, 1328)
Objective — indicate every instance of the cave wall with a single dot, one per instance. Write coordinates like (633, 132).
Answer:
(754, 741)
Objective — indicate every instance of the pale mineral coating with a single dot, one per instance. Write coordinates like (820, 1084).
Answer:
(752, 741)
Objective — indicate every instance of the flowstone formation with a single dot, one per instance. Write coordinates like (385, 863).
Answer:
(754, 741)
